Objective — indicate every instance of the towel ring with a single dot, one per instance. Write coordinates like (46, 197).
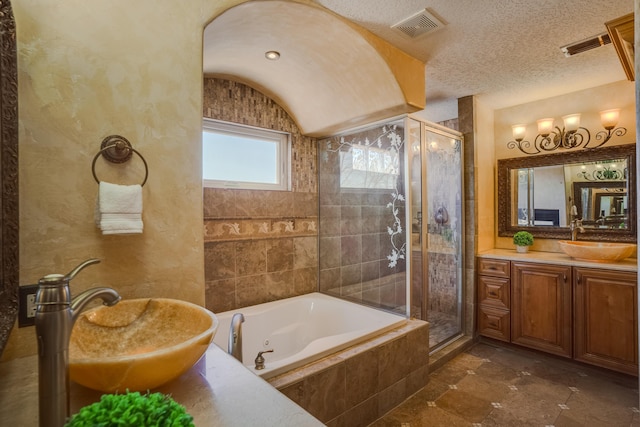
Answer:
(117, 149)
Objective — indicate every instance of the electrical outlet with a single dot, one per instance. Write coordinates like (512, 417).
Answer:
(27, 305)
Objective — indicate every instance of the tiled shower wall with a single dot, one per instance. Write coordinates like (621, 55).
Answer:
(358, 225)
(260, 246)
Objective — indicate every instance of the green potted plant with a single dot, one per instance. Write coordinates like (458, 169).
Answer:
(522, 240)
(132, 410)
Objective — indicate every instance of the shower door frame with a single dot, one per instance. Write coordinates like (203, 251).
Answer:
(426, 126)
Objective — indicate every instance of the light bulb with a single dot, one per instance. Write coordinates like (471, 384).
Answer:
(272, 55)
(571, 122)
(545, 126)
(609, 118)
(519, 132)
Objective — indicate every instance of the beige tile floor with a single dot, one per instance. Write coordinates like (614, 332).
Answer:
(491, 385)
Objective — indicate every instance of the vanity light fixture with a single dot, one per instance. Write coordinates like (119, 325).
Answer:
(572, 135)
(272, 55)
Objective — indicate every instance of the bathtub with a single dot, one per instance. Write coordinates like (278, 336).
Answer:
(302, 329)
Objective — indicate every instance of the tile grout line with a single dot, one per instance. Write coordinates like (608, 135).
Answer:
(574, 390)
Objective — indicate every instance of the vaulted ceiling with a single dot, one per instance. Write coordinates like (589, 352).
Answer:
(333, 75)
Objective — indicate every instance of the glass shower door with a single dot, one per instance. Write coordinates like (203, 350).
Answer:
(442, 232)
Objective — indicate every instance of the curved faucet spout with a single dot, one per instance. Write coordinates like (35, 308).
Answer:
(235, 336)
(56, 312)
(109, 297)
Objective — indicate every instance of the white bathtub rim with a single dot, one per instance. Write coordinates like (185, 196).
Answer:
(310, 353)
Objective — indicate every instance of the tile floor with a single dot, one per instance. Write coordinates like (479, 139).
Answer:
(490, 385)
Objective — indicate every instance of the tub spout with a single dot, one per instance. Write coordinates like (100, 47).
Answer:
(235, 336)
(56, 313)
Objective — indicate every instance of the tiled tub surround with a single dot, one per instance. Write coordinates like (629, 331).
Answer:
(362, 216)
(260, 246)
(362, 383)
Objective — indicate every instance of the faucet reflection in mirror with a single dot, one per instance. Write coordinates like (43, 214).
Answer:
(572, 135)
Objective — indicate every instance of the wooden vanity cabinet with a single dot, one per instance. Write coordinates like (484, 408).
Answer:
(494, 299)
(585, 313)
(606, 318)
(541, 307)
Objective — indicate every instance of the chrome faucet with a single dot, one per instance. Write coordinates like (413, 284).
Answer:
(234, 346)
(575, 226)
(56, 313)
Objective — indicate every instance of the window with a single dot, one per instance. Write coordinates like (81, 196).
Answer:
(363, 166)
(244, 157)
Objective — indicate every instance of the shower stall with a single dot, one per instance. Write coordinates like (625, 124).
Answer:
(391, 221)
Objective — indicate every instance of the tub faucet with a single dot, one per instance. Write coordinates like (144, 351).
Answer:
(56, 313)
(575, 226)
(260, 360)
(234, 347)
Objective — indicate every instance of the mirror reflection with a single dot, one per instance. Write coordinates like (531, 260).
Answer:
(596, 192)
(542, 194)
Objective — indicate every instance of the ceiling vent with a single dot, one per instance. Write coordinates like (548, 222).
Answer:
(586, 44)
(418, 24)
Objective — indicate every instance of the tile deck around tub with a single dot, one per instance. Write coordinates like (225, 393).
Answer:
(496, 386)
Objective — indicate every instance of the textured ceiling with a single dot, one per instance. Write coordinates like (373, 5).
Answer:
(507, 52)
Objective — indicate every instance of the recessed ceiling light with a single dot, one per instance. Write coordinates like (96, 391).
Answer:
(272, 55)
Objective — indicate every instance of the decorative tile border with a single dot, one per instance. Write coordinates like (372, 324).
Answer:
(221, 230)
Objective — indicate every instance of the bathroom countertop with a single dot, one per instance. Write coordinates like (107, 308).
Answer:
(629, 264)
(217, 391)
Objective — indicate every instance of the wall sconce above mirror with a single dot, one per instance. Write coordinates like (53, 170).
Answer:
(540, 194)
(572, 135)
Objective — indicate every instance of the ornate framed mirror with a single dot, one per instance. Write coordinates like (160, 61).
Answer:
(541, 194)
(9, 221)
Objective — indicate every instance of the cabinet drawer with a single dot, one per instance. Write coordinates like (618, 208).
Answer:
(494, 267)
(494, 323)
(494, 291)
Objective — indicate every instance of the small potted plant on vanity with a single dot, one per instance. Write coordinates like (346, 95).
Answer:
(522, 240)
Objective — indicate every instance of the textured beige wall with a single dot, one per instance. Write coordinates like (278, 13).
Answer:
(485, 161)
(88, 70)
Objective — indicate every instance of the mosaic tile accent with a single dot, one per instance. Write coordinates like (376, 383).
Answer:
(222, 230)
(234, 102)
(260, 246)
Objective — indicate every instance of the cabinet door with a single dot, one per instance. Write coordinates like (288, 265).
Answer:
(541, 307)
(494, 323)
(494, 291)
(606, 319)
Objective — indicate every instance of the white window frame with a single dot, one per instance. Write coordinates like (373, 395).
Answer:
(283, 155)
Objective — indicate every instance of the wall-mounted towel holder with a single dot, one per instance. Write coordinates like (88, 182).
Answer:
(117, 149)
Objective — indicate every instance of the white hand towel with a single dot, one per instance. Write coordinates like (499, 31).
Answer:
(119, 209)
